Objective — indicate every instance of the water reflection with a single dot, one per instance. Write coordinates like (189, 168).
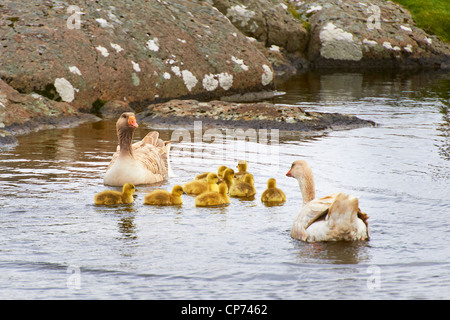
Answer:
(126, 215)
(444, 132)
(340, 252)
(331, 86)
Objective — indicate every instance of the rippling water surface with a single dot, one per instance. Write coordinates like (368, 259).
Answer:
(56, 244)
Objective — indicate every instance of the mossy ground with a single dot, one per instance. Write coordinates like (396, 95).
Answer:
(433, 16)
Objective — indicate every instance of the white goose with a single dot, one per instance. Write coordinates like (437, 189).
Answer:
(143, 162)
(332, 218)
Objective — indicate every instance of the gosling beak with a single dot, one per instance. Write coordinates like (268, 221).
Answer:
(132, 122)
(288, 174)
(184, 192)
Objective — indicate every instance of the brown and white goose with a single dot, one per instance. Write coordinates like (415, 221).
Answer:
(142, 162)
(332, 218)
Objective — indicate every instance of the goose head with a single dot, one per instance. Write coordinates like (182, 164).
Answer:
(127, 120)
(125, 125)
(301, 171)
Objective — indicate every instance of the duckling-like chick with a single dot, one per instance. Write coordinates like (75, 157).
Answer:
(164, 197)
(212, 198)
(228, 176)
(110, 197)
(273, 194)
(195, 187)
(245, 188)
(220, 171)
(242, 170)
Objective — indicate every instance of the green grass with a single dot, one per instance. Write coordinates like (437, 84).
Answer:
(433, 16)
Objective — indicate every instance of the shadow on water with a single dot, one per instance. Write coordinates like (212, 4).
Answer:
(340, 252)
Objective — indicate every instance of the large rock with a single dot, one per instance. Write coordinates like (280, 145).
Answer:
(361, 33)
(268, 21)
(136, 51)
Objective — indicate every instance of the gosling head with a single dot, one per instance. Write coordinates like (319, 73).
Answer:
(271, 183)
(177, 190)
(242, 166)
(228, 174)
(128, 188)
(221, 170)
(223, 188)
(212, 178)
(248, 178)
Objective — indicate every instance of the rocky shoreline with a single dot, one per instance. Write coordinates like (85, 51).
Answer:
(262, 115)
(60, 61)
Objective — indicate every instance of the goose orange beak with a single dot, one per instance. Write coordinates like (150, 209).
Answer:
(288, 174)
(132, 122)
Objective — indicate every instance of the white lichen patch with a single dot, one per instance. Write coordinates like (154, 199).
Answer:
(136, 66)
(75, 70)
(338, 44)
(103, 23)
(64, 89)
(103, 51)
(116, 47)
(314, 8)
(429, 40)
(239, 13)
(181, 40)
(274, 48)
(225, 80)
(239, 62)
(406, 28)
(153, 44)
(330, 33)
(267, 75)
(190, 81)
(387, 45)
(166, 75)
(210, 82)
(408, 48)
(370, 43)
(176, 70)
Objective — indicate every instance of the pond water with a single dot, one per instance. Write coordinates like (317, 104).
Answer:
(56, 244)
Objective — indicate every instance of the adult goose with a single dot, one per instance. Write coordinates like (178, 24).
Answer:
(142, 162)
(332, 218)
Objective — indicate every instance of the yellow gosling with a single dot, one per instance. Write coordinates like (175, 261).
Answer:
(273, 194)
(242, 170)
(111, 197)
(212, 198)
(245, 188)
(195, 187)
(164, 197)
(220, 171)
(228, 176)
